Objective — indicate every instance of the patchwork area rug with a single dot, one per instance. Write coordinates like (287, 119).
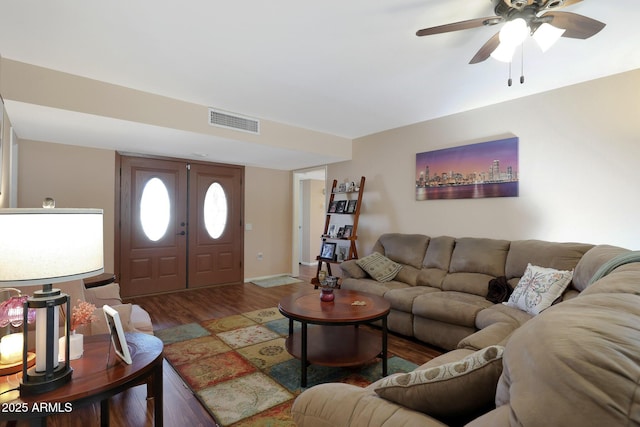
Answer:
(276, 281)
(239, 369)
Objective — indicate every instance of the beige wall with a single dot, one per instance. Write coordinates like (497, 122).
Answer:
(41, 86)
(268, 207)
(84, 177)
(579, 150)
(75, 177)
(578, 168)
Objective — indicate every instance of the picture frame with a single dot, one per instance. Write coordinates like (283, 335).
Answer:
(348, 231)
(331, 232)
(118, 339)
(333, 206)
(340, 232)
(328, 250)
(351, 206)
(341, 255)
(474, 171)
(340, 208)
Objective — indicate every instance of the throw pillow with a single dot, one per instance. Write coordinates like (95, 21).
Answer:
(451, 390)
(499, 290)
(538, 288)
(379, 267)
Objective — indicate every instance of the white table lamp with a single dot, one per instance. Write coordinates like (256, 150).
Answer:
(43, 247)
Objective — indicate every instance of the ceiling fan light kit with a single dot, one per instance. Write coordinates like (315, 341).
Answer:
(523, 18)
(546, 35)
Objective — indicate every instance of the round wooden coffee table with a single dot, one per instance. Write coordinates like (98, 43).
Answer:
(337, 341)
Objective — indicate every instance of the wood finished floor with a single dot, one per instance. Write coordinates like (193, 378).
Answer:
(181, 408)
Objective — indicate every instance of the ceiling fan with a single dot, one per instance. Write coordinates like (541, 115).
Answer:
(521, 18)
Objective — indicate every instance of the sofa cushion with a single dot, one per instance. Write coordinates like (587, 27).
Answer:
(538, 288)
(470, 283)
(439, 252)
(501, 313)
(561, 256)
(452, 389)
(408, 275)
(433, 277)
(402, 299)
(583, 371)
(592, 261)
(379, 267)
(494, 334)
(371, 286)
(406, 249)
(456, 308)
(352, 269)
(476, 255)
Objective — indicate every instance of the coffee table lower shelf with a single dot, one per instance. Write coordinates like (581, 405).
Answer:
(336, 345)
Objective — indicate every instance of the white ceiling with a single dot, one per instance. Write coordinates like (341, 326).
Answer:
(346, 68)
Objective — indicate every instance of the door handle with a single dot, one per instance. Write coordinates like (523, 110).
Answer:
(182, 233)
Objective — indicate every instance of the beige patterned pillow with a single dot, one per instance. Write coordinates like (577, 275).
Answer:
(450, 390)
(538, 288)
(379, 267)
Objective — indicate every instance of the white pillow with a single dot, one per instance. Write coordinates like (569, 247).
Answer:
(538, 288)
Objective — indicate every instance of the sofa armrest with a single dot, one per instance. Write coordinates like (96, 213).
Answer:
(101, 295)
(496, 418)
(339, 404)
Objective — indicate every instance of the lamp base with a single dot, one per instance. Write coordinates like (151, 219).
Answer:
(12, 368)
(38, 382)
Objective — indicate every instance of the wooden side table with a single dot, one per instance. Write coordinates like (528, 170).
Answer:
(93, 380)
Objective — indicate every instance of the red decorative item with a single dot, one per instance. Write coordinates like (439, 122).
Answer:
(326, 294)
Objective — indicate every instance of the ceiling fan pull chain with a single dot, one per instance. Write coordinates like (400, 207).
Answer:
(522, 64)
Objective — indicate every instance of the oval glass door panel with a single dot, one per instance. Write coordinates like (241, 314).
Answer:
(215, 210)
(155, 209)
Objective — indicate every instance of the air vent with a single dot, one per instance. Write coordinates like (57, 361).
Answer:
(233, 121)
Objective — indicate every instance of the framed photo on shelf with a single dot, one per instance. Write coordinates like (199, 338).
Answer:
(340, 232)
(331, 232)
(342, 204)
(348, 230)
(333, 206)
(328, 250)
(342, 253)
(351, 207)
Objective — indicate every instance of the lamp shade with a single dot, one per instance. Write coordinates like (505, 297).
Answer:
(45, 246)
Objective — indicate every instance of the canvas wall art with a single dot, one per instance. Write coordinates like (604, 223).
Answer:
(486, 169)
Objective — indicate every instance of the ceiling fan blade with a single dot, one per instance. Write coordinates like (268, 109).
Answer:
(456, 26)
(485, 51)
(576, 26)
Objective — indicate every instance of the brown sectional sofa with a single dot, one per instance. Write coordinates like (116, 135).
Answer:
(439, 296)
(575, 363)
